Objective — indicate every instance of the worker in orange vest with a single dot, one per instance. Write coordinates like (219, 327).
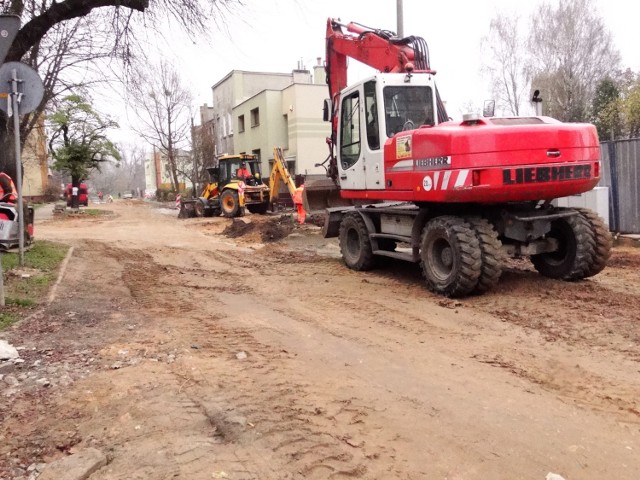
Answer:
(243, 172)
(8, 192)
(297, 199)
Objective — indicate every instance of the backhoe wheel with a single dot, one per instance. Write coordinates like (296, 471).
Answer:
(259, 208)
(576, 247)
(199, 209)
(230, 203)
(355, 244)
(451, 257)
(603, 240)
(491, 251)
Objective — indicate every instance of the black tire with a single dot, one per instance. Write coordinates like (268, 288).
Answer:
(603, 242)
(230, 203)
(198, 208)
(451, 258)
(576, 247)
(259, 208)
(355, 244)
(491, 253)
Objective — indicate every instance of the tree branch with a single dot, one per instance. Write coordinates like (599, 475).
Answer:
(33, 31)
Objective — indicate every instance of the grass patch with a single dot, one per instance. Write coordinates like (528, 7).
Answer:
(86, 212)
(27, 286)
(7, 319)
(95, 212)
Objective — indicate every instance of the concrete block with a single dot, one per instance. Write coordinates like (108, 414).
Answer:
(78, 466)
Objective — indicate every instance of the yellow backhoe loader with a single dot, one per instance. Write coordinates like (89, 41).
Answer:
(235, 184)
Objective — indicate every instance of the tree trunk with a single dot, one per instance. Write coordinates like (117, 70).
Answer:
(75, 192)
(7, 148)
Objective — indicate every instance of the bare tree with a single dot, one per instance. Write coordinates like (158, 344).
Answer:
(162, 106)
(507, 67)
(117, 20)
(122, 176)
(203, 151)
(571, 52)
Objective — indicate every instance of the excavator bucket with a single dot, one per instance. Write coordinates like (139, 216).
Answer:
(321, 194)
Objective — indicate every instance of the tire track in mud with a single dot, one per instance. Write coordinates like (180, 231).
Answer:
(289, 418)
(582, 313)
(286, 423)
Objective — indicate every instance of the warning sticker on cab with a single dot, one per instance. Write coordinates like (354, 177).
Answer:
(403, 147)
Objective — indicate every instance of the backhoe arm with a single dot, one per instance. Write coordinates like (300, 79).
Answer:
(280, 172)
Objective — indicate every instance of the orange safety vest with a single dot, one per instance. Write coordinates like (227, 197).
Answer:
(8, 192)
(297, 195)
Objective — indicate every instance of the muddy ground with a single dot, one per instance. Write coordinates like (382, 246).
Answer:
(204, 348)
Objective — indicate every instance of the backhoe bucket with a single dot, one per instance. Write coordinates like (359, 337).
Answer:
(321, 194)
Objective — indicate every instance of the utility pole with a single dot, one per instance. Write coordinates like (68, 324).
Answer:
(400, 18)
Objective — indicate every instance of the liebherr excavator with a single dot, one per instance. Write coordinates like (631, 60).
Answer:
(457, 197)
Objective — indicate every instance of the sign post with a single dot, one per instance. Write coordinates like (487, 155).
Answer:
(16, 129)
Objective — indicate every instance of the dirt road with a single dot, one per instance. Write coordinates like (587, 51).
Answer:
(184, 353)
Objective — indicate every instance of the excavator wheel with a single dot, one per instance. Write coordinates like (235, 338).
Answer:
(355, 244)
(603, 240)
(576, 247)
(451, 257)
(491, 250)
(230, 203)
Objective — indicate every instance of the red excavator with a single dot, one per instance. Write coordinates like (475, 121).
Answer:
(457, 197)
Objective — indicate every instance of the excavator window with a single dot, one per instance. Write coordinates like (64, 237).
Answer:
(373, 130)
(350, 143)
(407, 107)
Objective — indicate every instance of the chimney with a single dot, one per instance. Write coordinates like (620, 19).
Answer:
(319, 74)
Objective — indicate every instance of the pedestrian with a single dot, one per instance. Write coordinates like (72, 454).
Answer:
(297, 199)
(8, 192)
(100, 195)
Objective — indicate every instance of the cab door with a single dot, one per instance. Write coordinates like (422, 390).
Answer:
(351, 168)
(373, 151)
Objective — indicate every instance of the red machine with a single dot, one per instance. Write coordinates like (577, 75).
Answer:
(466, 193)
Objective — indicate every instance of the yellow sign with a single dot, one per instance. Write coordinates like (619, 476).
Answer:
(403, 147)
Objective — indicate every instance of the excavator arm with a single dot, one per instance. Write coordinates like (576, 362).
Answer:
(379, 49)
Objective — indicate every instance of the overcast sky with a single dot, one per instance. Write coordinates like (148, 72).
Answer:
(275, 35)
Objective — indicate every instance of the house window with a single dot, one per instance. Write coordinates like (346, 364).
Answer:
(256, 153)
(230, 121)
(255, 117)
(241, 124)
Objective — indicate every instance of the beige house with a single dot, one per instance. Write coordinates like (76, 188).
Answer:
(35, 174)
(270, 110)
(157, 174)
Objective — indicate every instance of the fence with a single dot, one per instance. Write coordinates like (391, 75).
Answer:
(621, 174)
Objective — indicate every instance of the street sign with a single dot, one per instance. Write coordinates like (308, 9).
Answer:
(30, 87)
(9, 26)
